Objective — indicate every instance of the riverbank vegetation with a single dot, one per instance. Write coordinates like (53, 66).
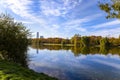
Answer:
(13, 51)
(12, 35)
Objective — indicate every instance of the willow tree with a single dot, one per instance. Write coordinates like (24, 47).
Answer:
(111, 7)
(13, 39)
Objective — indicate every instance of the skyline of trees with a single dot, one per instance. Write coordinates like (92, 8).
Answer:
(80, 41)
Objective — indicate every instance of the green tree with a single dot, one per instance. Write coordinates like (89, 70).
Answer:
(13, 39)
(104, 43)
(112, 8)
(76, 40)
(85, 41)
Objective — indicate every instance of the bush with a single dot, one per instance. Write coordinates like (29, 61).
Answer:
(13, 38)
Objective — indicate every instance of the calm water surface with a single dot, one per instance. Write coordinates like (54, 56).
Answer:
(67, 65)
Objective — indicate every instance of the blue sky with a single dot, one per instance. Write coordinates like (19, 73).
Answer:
(61, 18)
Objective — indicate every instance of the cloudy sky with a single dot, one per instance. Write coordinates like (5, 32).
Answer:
(61, 18)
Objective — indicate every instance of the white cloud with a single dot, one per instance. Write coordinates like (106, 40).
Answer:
(24, 21)
(76, 24)
(106, 32)
(83, 20)
(77, 27)
(18, 6)
(107, 24)
(53, 8)
(54, 12)
(21, 8)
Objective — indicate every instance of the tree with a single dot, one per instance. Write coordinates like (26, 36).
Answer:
(85, 41)
(76, 40)
(104, 45)
(13, 39)
(104, 42)
(112, 8)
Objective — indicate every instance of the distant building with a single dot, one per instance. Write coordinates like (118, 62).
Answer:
(37, 35)
(41, 37)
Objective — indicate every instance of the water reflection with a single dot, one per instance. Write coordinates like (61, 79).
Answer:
(79, 50)
(72, 63)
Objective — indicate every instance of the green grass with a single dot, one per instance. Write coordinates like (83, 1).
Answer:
(12, 71)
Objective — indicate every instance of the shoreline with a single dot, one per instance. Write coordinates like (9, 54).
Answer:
(10, 70)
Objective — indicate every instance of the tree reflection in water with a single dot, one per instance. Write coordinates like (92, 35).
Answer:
(82, 50)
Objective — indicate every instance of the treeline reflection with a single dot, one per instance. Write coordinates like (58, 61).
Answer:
(81, 50)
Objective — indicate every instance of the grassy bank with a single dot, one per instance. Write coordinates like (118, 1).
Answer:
(12, 71)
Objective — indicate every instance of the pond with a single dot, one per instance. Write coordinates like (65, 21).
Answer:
(70, 63)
